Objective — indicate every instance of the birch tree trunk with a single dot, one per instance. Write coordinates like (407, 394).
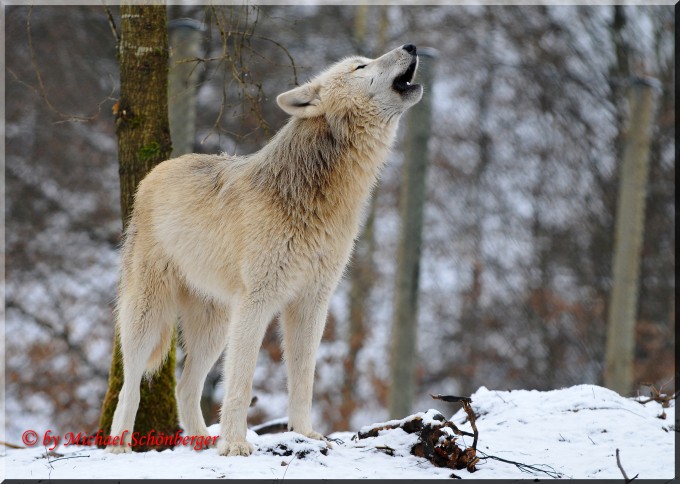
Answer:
(143, 141)
(620, 346)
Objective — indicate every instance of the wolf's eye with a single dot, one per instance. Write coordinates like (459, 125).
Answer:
(360, 67)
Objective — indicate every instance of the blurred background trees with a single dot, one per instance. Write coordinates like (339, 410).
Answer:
(528, 129)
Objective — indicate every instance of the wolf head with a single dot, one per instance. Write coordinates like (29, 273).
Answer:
(359, 87)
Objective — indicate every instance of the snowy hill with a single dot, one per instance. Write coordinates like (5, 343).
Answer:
(567, 433)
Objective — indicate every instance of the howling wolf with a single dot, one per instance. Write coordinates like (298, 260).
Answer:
(228, 242)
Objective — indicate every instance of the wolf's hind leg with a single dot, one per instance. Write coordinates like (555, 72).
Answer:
(204, 326)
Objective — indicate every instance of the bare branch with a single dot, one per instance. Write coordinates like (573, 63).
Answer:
(42, 92)
(625, 476)
(236, 27)
(287, 52)
(471, 415)
(451, 398)
(112, 24)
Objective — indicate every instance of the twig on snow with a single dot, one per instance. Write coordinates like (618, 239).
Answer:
(70, 457)
(385, 448)
(625, 476)
(11, 446)
(288, 465)
(524, 467)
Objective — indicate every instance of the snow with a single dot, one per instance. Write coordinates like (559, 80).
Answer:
(571, 433)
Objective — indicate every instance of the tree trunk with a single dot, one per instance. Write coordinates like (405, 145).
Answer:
(471, 311)
(403, 355)
(630, 211)
(143, 141)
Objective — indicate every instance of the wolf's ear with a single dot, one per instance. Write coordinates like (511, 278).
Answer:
(303, 101)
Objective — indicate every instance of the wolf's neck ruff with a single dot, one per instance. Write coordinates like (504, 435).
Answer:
(333, 167)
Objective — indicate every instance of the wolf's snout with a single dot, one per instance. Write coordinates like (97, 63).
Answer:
(410, 48)
(402, 83)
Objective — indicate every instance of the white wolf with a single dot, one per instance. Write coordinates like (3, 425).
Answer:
(228, 242)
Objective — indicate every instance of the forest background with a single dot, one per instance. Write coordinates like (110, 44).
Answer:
(528, 127)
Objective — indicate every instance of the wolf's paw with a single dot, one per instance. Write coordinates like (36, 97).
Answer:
(314, 435)
(235, 448)
(317, 436)
(118, 449)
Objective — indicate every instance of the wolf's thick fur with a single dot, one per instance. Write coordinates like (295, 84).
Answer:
(228, 242)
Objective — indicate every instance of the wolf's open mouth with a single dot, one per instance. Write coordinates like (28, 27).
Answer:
(402, 83)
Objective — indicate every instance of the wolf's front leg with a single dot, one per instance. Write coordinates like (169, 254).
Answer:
(303, 324)
(243, 344)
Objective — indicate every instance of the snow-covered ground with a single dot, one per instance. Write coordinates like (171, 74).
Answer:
(569, 433)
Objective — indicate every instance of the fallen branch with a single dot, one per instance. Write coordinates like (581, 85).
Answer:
(435, 443)
(272, 427)
(467, 407)
(656, 396)
(409, 426)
